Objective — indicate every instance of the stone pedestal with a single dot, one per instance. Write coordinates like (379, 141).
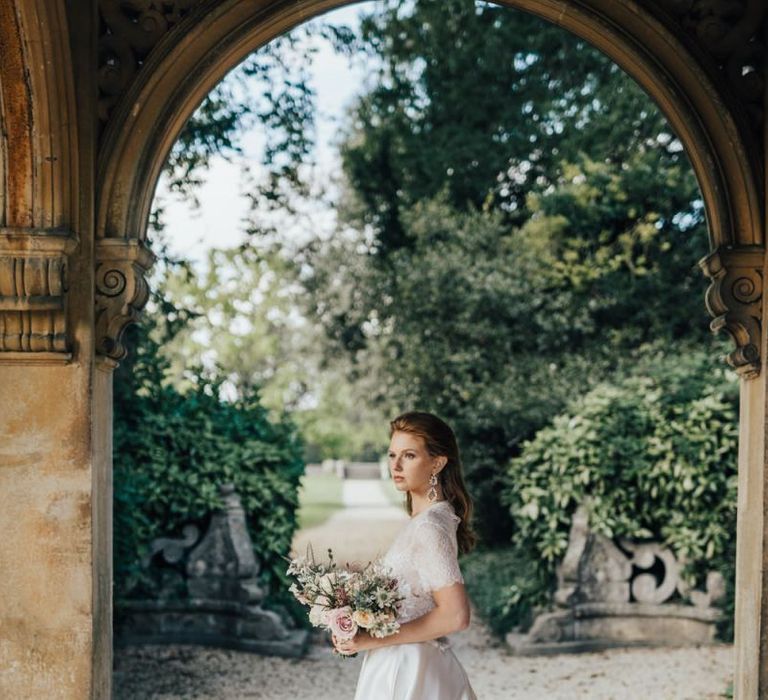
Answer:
(222, 606)
(617, 594)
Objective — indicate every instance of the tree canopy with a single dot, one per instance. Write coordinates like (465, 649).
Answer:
(526, 225)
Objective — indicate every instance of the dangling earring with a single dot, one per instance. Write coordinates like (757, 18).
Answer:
(432, 493)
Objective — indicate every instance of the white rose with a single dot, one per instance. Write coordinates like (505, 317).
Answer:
(318, 616)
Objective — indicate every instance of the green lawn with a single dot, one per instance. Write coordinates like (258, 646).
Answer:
(396, 498)
(319, 498)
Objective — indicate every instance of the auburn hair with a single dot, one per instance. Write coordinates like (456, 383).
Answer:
(440, 441)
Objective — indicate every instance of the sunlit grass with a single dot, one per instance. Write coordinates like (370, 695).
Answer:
(395, 497)
(320, 496)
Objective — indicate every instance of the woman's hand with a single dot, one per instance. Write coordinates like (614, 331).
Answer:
(362, 641)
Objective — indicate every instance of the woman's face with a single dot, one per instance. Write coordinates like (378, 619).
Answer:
(410, 464)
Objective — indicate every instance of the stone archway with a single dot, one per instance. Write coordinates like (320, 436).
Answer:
(701, 62)
(647, 43)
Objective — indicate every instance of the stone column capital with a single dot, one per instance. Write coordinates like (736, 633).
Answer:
(121, 291)
(734, 299)
(33, 291)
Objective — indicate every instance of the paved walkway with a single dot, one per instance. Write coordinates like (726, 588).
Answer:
(361, 531)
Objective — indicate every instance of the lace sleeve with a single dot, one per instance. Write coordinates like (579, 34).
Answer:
(437, 556)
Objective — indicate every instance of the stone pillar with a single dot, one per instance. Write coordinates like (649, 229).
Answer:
(737, 302)
(760, 478)
(101, 514)
(52, 549)
(55, 563)
(46, 547)
(751, 652)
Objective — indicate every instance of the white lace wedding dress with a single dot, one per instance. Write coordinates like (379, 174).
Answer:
(424, 558)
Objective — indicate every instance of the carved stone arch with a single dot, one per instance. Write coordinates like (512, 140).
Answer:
(38, 155)
(172, 70)
(702, 61)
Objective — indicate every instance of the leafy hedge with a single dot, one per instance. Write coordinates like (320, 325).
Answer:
(654, 454)
(173, 450)
(505, 589)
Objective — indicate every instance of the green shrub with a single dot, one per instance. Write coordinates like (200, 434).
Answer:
(655, 456)
(504, 587)
(173, 450)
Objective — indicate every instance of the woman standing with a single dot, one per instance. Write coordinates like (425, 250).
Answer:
(417, 663)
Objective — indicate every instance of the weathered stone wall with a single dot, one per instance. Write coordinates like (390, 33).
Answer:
(45, 540)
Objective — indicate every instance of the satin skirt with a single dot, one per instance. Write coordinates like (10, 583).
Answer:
(420, 671)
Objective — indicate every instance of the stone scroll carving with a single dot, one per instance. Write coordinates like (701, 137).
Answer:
(646, 586)
(732, 33)
(33, 291)
(734, 299)
(121, 291)
(595, 569)
(172, 549)
(130, 29)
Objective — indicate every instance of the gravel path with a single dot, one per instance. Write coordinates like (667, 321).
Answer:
(360, 532)
(181, 672)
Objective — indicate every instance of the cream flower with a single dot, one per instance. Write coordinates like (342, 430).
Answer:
(327, 582)
(318, 616)
(364, 618)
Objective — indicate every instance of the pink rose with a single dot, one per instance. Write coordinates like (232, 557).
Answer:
(341, 623)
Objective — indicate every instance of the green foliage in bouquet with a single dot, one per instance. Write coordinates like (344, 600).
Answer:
(654, 455)
(172, 450)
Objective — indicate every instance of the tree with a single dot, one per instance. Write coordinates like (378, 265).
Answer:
(250, 331)
(271, 89)
(484, 103)
(526, 224)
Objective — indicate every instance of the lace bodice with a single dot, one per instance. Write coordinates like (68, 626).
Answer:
(424, 558)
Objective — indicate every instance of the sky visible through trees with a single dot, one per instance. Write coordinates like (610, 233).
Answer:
(219, 220)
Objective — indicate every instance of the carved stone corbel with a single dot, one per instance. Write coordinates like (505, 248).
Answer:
(33, 287)
(734, 299)
(121, 291)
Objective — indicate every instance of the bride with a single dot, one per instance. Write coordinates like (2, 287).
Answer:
(417, 662)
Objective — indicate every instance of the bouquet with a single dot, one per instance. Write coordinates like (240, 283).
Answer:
(344, 599)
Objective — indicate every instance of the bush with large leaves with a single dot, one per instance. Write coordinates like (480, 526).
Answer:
(653, 455)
